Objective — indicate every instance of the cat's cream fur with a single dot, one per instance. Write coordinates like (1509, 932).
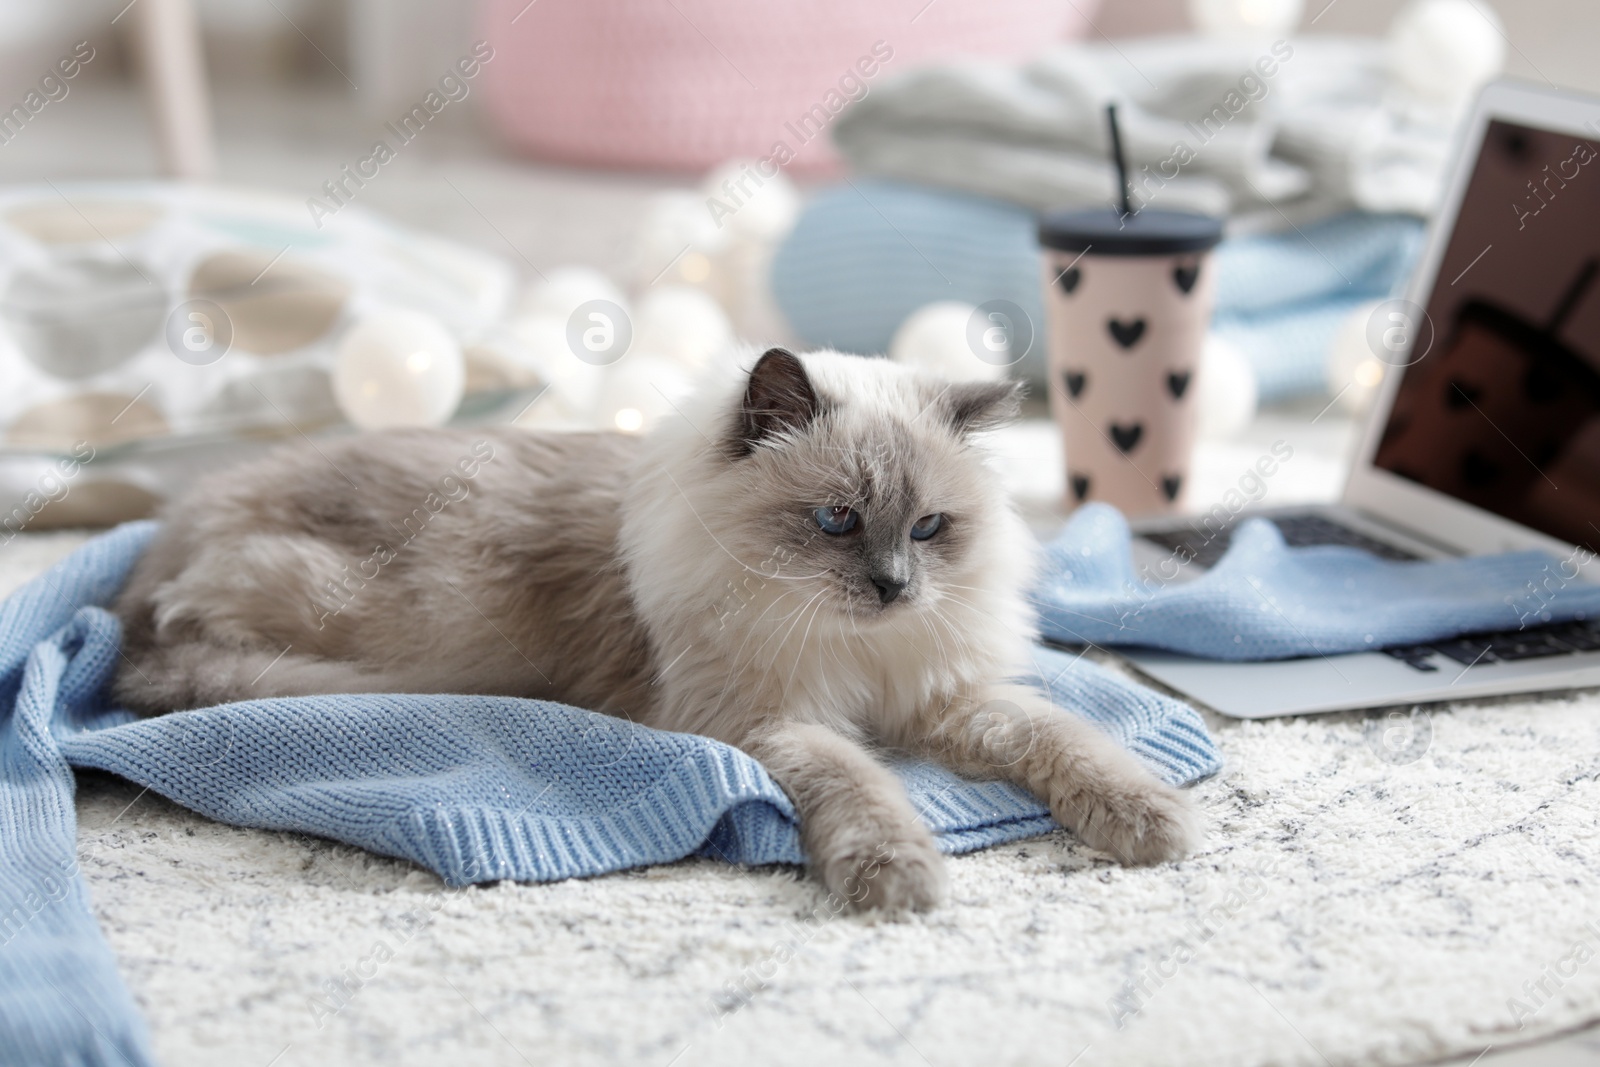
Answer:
(679, 580)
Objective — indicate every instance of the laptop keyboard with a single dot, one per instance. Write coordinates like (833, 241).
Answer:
(1506, 646)
(1205, 548)
(1201, 546)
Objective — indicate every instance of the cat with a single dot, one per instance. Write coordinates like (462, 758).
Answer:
(812, 561)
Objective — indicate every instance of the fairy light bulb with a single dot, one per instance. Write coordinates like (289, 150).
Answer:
(398, 367)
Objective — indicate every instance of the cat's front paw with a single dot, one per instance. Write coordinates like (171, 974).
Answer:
(897, 873)
(1139, 824)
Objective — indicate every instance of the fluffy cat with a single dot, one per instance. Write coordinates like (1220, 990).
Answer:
(812, 562)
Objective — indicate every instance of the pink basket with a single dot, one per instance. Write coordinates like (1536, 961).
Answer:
(687, 84)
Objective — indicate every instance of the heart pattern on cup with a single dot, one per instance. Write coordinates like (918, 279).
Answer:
(1126, 334)
(1069, 279)
(1075, 381)
(1126, 438)
(1170, 486)
(1178, 383)
(1186, 276)
(1080, 486)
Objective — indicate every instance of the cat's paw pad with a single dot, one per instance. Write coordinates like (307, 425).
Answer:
(894, 875)
(1139, 826)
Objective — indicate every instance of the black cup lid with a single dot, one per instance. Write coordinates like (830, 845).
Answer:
(1108, 232)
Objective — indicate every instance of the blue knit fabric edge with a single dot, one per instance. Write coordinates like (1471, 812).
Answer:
(61, 1000)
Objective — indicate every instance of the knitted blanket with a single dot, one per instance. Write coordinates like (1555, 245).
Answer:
(1264, 600)
(474, 788)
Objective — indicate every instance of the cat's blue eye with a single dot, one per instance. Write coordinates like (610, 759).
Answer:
(836, 521)
(926, 526)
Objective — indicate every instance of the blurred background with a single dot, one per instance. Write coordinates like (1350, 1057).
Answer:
(227, 223)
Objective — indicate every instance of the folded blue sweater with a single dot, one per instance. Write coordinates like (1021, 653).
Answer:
(865, 255)
(473, 788)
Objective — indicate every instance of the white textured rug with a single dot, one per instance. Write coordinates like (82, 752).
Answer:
(1373, 891)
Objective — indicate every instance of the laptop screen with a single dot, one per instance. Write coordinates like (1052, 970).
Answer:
(1502, 409)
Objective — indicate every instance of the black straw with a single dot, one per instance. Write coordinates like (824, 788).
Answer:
(1117, 158)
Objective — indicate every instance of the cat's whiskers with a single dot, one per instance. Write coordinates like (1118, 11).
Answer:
(750, 631)
(973, 588)
(773, 661)
(935, 609)
(696, 513)
(934, 615)
(815, 600)
(799, 655)
(973, 607)
(967, 648)
(833, 647)
(795, 577)
(933, 636)
(970, 606)
(777, 623)
(741, 663)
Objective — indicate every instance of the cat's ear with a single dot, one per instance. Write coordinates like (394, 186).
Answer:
(972, 407)
(779, 398)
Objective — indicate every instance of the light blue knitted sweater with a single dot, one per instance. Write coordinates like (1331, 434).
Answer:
(1265, 600)
(473, 788)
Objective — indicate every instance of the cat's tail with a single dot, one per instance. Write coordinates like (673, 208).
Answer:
(199, 674)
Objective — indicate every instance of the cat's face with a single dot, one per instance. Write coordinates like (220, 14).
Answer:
(860, 477)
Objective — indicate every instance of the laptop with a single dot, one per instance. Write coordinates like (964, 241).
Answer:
(1485, 433)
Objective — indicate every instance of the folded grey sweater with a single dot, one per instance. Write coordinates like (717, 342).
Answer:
(1214, 126)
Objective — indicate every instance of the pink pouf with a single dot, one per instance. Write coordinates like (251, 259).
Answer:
(687, 84)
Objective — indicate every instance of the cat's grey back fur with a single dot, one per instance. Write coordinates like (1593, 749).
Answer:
(506, 581)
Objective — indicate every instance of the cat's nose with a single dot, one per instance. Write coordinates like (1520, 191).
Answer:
(888, 586)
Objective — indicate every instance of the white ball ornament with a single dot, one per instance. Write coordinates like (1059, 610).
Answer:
(1225, 390)
(398, 368)
(639, 391)
(938, 338)
(678, 241)
(1264, 19)
(1353, 372)
(751, 203)
(573, 383)
(683, 324)
(564, 289)
(1444, 50)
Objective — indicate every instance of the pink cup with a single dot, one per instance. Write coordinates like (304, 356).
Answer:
(1128, 299)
